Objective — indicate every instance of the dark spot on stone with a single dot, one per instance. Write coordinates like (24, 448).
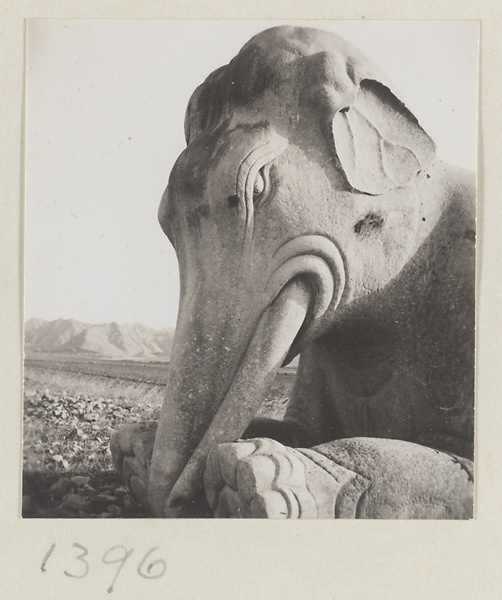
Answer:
(204, 210)
(233, 201)
(427, 175)
(423, 218)
(197, 215)
(371, 222)
(193, 220)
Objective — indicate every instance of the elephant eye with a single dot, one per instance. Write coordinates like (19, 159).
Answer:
(259, 186)
(254, 184)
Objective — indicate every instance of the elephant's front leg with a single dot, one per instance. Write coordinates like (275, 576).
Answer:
(349, 478)
(131, 449)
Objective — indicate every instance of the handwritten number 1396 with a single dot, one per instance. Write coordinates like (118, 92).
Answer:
(114, 555)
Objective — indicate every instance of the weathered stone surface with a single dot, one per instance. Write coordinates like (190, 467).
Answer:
(408, 481)
(351, 478)
(311, 215)
(263, 479)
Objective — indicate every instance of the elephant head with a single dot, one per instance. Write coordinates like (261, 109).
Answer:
(294, 198)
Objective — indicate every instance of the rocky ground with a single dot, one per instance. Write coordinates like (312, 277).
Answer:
(78, 496)
(68, 468)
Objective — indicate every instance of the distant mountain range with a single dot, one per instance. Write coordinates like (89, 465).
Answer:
(105, 340)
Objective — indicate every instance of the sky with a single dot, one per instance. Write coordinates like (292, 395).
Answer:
(105, 104)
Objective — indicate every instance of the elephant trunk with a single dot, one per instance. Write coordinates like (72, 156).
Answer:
(214, 389)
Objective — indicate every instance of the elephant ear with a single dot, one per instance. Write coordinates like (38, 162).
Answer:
(378, 141)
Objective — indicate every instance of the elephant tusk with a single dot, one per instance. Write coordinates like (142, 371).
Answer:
(317, 245)
(309, 265)
(315, 256)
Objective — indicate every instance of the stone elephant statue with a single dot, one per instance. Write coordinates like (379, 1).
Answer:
(311, 216)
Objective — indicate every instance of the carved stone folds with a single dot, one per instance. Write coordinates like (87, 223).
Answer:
(346, 479)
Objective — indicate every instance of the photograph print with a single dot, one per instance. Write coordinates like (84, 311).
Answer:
(250, 269)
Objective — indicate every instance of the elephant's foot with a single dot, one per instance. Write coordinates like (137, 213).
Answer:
(261, 478)
(131, 449)
(349, 478)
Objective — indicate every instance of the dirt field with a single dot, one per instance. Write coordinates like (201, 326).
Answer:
(71, 409)
(125, 370)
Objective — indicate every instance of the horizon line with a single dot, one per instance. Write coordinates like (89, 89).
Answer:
(85, 322)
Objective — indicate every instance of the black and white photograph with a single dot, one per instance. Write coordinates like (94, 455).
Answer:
(249, 269)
